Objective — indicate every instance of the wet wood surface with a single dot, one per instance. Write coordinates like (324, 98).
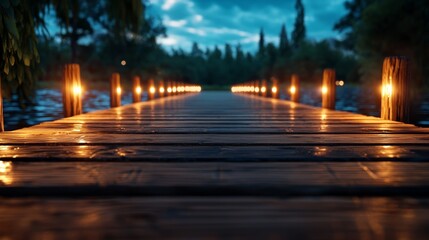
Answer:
(215, 165)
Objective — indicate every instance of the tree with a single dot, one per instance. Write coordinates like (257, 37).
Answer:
(261, 49)
(351, 20)
(196, 51)
(77, 19)
(284, 46)
(299, 32)
(228, 54)
(20, 18)
(379, 28)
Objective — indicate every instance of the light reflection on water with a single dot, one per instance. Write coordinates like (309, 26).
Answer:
(48, 107)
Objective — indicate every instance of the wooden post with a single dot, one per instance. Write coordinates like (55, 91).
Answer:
(169, 88)
(161, 89)
(1, 110)
(137, 90)
(256, 87)
(174, 88)
(395, 90)
(115, 90)
(328, 89)
(151, 89)
(72, 90)
(294, 88)
(263, 90)
(274, 88)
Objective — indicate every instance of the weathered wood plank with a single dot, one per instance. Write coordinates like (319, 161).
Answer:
(152, 153)
(221, 178)
(214, 218)
(219, 139)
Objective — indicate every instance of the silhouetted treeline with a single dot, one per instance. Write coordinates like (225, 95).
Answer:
(372, 29)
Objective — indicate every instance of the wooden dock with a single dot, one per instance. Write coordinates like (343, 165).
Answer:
(215, 166)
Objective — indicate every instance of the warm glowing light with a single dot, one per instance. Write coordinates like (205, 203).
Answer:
(77, 90)
(292, 90)
(118, 90)
(256, 89)
(274, 89)
(123, 62)
(174, 89)
(192, 89)
(324, 90)
(152, 90)
(386, 90)
(339, 83)
(138, 90)
(263, 89)
(169, 90)
(161, 90)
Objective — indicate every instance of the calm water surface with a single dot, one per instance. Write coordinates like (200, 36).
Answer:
(48, 105)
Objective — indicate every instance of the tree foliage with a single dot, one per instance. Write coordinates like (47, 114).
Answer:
(379, 28)
(299, 32)
(19, 20)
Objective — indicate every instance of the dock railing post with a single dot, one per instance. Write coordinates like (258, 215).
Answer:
(115, 90)
(263, 89)
(161, 88)
(169, 89)
(294, 88)
(72, 90)
(395, 89)
(151, 89)
(137, 89)
(328, 89)
(274, 88)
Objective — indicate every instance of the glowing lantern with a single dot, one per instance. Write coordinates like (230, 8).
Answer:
(274, 90)
(77, 90)
(152, 90)
(138, 90)
(115, 90)
(324, 90)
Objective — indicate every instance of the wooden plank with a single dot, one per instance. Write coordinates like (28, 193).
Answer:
(152, 153)
(215, 165)
(219, 139)
(214, 218)
(56, 179)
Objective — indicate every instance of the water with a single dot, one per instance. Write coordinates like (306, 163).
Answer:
(49, 107)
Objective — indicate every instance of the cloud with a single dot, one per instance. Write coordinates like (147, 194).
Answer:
(168, 4)
(173, 23)
(216, 22)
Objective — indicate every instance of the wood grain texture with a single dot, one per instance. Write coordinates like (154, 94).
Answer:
(115, 90)
(137, 90)
(294, 89)
(72, 100)
(396, 85)
(328, 85)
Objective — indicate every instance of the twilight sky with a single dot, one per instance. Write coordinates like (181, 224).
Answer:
(216, 22)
